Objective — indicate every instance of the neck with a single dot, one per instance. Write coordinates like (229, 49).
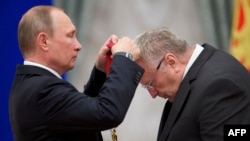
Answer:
(44, 63)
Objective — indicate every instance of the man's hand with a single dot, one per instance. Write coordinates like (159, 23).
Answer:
(125, 44)
(104, 52)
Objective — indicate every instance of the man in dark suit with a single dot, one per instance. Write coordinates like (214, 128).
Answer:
(43, 106)
(206, 88)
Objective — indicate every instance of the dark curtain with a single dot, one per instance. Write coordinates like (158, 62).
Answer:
(216, 17)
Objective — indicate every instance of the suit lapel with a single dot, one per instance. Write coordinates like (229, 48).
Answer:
(175, 111)
(164, 117)
(182, 94)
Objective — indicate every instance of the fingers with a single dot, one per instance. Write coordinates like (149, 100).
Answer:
(114, 45)
(123, 45)
(113, 39)
(126, 44)
(104, 52)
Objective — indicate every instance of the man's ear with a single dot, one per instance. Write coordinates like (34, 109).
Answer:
(172, 62)
(42, 41)
(170, 59)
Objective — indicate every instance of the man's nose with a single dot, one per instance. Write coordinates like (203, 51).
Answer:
(78, 46)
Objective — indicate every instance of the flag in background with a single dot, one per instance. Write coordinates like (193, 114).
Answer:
(240, 35)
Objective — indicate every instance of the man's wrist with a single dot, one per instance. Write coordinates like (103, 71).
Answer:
(125, 54)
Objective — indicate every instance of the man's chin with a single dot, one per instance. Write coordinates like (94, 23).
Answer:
(70, 68)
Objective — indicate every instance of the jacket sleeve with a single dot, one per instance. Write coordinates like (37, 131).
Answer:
(69, 110)
(222, 105)
(95, 82)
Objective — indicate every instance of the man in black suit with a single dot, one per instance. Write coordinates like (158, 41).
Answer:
(43, 106)
(206, 88)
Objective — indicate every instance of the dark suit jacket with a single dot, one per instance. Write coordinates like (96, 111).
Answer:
(215, 92)
(43, 107)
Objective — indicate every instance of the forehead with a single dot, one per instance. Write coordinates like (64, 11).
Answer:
(144, 65)
(148, 70)
(61, 20)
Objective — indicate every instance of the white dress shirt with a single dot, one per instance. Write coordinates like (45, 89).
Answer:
(197, 51)
(42, 66)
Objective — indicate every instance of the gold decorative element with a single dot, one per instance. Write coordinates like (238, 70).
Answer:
(114, 135)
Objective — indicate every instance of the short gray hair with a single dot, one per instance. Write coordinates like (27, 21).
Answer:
(155, 43)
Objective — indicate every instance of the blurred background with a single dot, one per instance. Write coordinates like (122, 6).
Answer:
(224, 24)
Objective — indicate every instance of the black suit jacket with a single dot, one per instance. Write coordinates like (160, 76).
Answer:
(43, 107)
(215, 92)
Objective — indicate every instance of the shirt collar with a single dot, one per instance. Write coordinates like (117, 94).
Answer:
(197, 51)
(42, 66)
